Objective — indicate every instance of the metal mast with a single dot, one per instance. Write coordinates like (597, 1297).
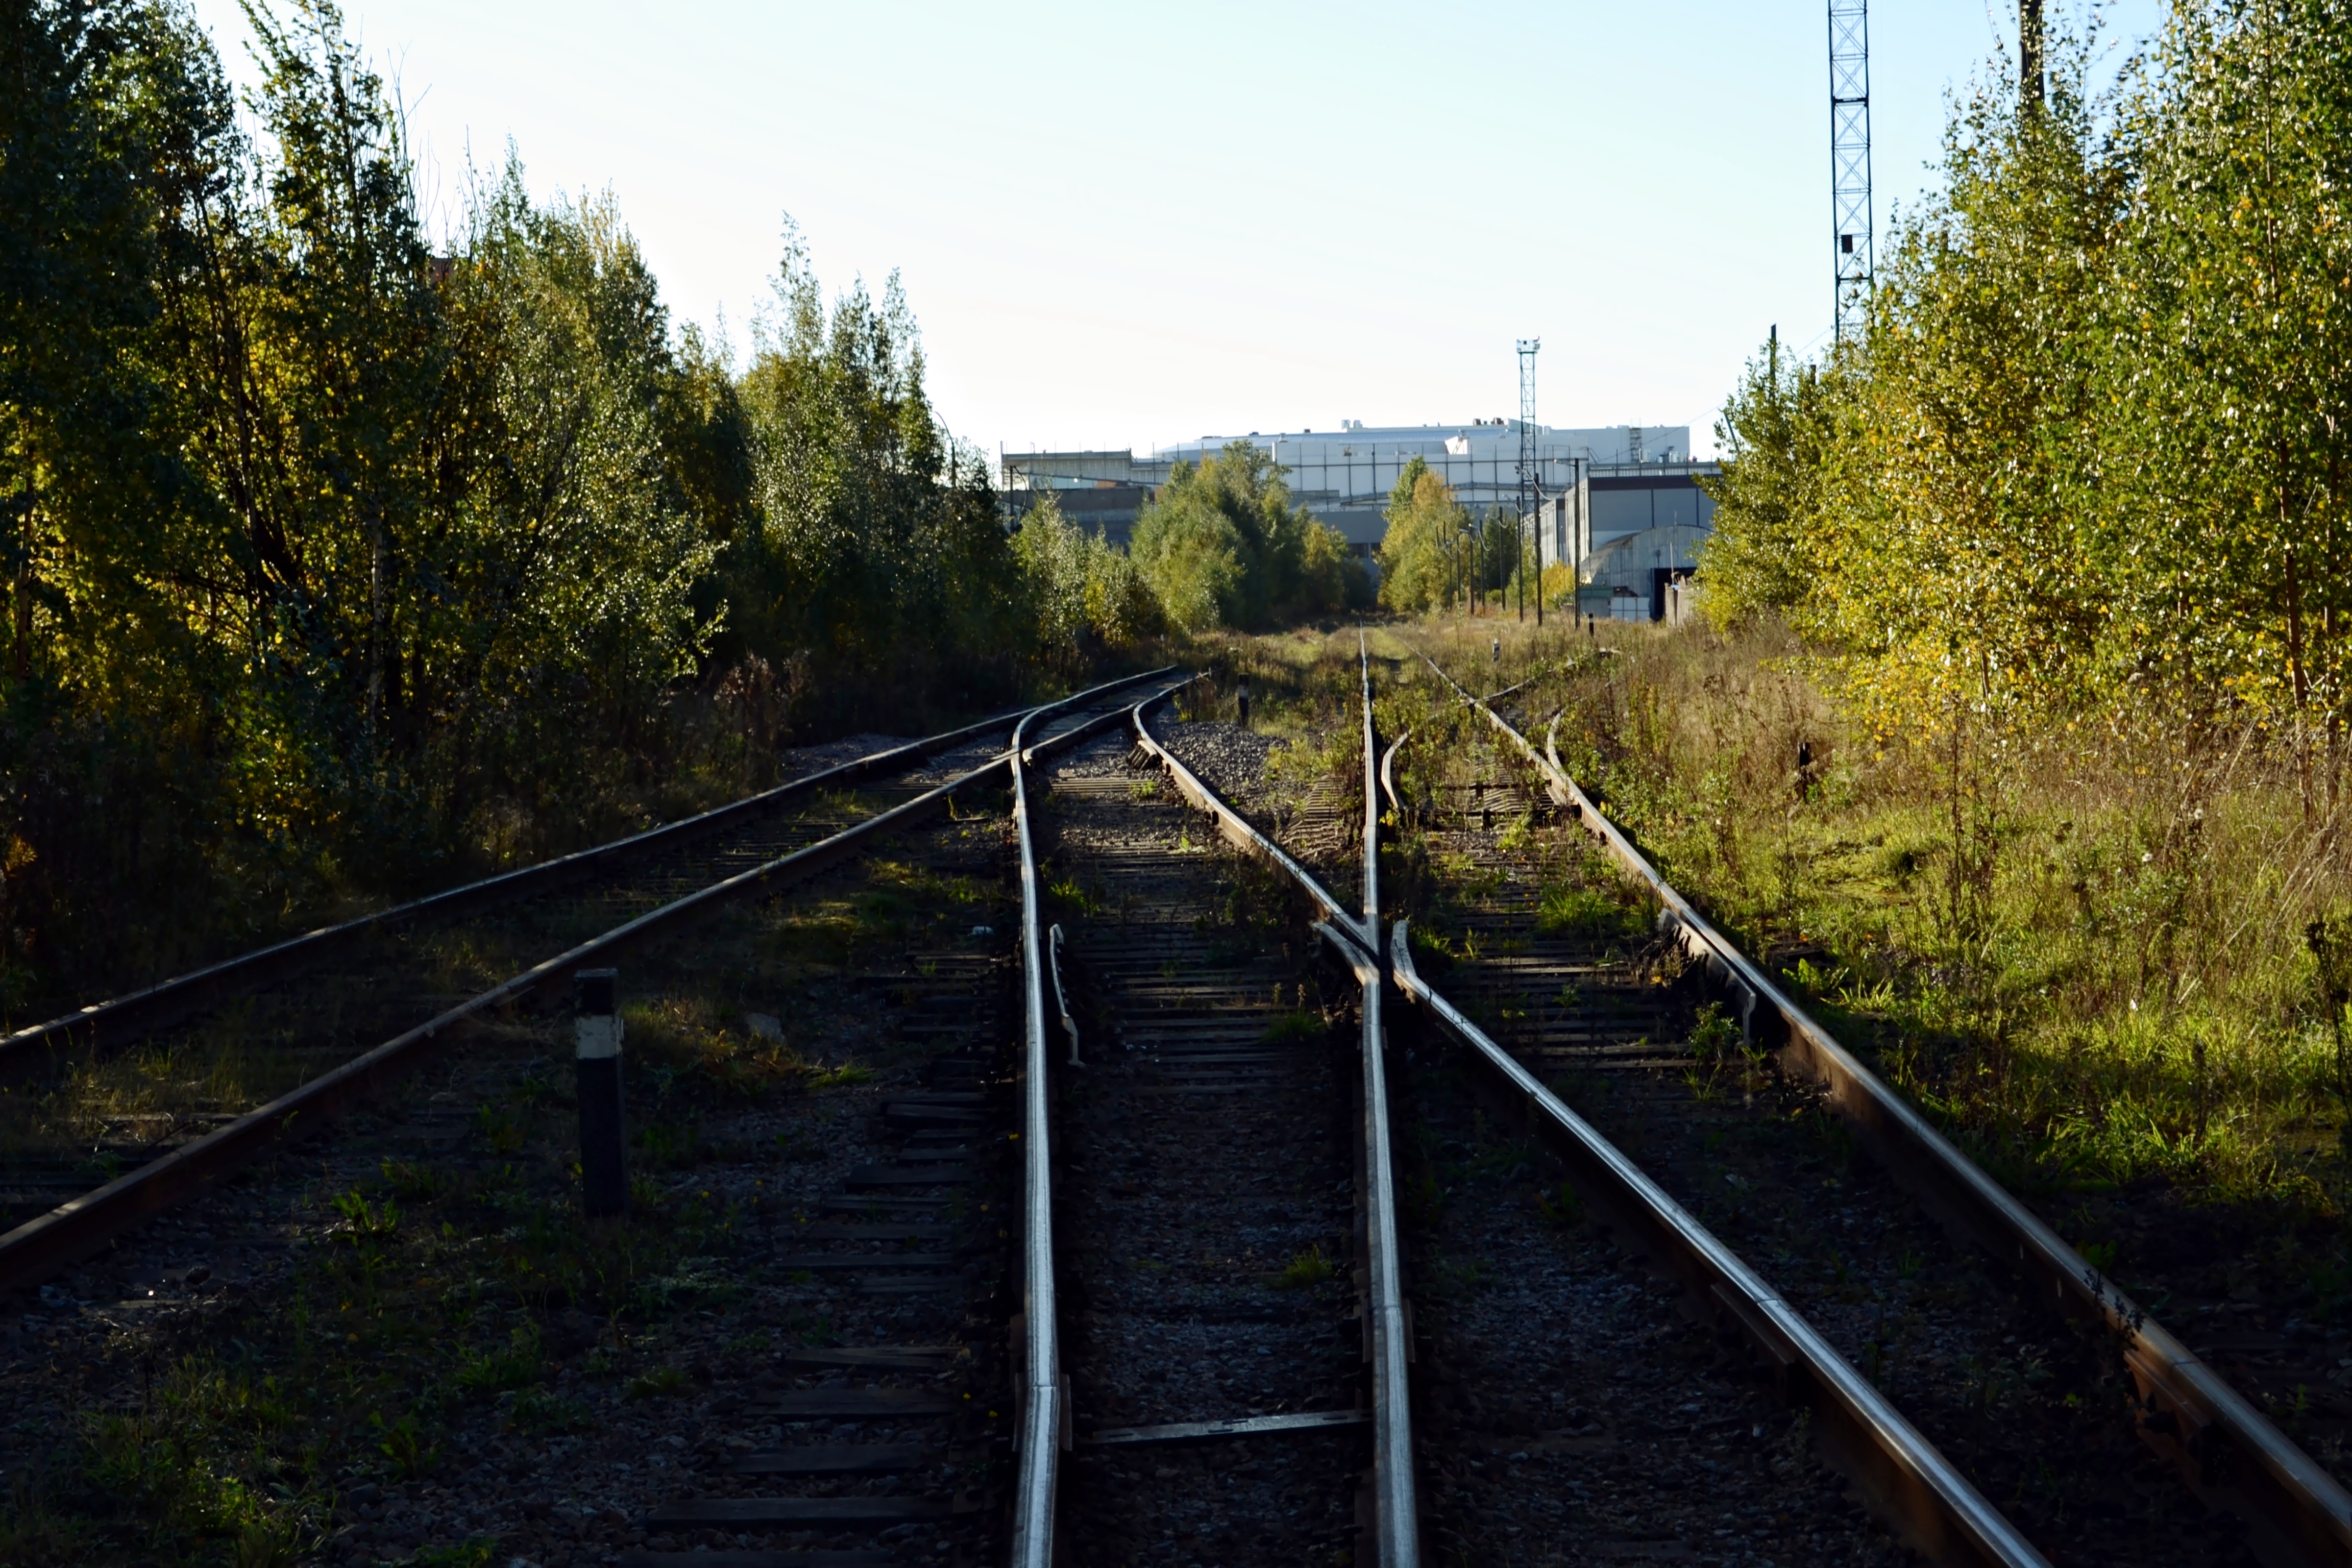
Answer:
(1531, 486)
(1849, 161)
(2028, 56)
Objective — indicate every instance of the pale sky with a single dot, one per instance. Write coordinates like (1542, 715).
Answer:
(1128, 224)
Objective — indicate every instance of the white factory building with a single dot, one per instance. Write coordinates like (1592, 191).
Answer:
(1621, 501)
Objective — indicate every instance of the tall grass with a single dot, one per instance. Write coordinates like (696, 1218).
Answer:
(2086, 952)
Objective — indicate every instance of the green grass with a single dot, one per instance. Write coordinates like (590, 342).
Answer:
(1713, 1035)
(1566, 1209)
(1295, 1027)
(2085, 955)
(539, 1413)
(423, 1304)
(1309, 1267)
(658, 1383)
(1569, 910)
(500, 1368)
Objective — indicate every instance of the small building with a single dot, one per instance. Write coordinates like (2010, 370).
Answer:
(1643, 565)
(1102, 492)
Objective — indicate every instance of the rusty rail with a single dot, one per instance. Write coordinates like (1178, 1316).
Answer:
(2227, 1451)
(1936, 1507)
(42, 1246)
(107, 1025)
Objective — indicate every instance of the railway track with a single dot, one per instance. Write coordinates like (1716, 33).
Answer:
(182, 1082)
(1772, 1134)
(1153, 1260)
(1208, 1197)
(73, 1039)
(1132, 1197)
(790, 1349)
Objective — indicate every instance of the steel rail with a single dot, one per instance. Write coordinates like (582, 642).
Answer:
(1394, 1504)
(1237, 830)
(1938, 1508)
(1498, 696)
(42, 1246)
(1395, 1508)
(1037, 1437)
(2226, 1451)
(125, 1018)
(1388, 773)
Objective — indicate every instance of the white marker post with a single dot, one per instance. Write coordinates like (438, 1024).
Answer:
(596, 1039)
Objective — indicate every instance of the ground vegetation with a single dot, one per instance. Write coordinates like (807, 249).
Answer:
(2132, 1018)
(2022, 729)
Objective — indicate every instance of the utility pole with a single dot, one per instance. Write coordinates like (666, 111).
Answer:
(1850, 159)
(2028, 56)
(1530, 482)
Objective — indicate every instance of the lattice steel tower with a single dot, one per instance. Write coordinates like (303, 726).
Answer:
(1530, 485)
(1849, 161)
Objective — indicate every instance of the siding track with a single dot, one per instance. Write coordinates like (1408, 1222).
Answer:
(1203, 1148)
(2041, 1408)
(288, 1055)
(793, 1352)
(1191, 1355)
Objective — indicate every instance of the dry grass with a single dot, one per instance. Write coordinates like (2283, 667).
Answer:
(2086, 953)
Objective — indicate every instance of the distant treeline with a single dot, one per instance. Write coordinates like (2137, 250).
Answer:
(2093, 461)
(337, 561)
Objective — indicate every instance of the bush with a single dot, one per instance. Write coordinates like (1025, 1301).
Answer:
(1085, 594)
(1221, 545)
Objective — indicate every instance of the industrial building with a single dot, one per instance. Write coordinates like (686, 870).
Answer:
(1634, 531)
(1622, 502)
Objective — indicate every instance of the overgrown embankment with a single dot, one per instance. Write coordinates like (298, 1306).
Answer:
(2022, 743)
(2090, 957)
(2094, 955)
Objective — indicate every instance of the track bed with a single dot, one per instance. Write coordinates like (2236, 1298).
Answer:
(793, 1343)
(1204, 1196)
(1570, 1411)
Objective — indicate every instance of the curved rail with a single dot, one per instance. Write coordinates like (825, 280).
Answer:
(1395, 1509)
(1236, 830)
(1043, 1420)
(2226, 1451)
(128, 1017)
(42, 1246)
(1037, 1437)
(1944, 1514)
(1388, 773)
